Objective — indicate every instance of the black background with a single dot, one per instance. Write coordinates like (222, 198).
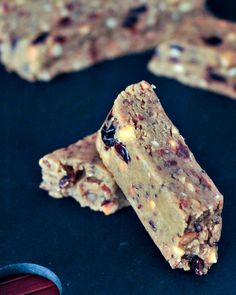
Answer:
(91, 253)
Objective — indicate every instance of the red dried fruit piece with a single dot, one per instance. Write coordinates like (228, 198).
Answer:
(123, 152)
(183, 203)
(108, 134)
(204, 183)
(108, 131)
(152, 224)
(177, 47)
(197, 226)
(106, 202)
(213, 76)
(65, 21)
(139, 9)
(182, 151)
(141, 117)
(130, 21)
(171, 163)
(64, 182)
(70, 177)
(197, 265)
(106, 189)
(212, 40)
(162, 152)
(60, 39)
(41, 38)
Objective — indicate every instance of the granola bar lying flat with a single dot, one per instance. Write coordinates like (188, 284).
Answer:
(77, 171)
(200, 53)
(41, 39)
(174, 198)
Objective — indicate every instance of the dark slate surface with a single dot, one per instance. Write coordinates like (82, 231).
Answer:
(91, 253)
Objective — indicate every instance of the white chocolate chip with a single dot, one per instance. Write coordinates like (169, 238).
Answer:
(212, 257)
(182, 179)
(56, 50)
(185, 7)
(178, 68)
(232, 72)
(152, 204)
(76, 65)
(174, 130)
(84, 29)
(45, 76)
(175, 53)
(155, 143)
(190, 187)
(111, 22)
(173, 144)
(178, 251)
(47, 7)
(183, 194)
(126, 133)
(32, 53)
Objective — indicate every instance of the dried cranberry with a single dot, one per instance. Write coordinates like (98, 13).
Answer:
(71, 6)
(69, 171)
(93, 179)
(205, 183)
(65, 21)
(64, 182)
(184, 203)
(141, 117)
(70, 177)
(211, 75)
(122, 151)
(171, 163)
(182, 151)
(162, 152)
(106, 189)
(177, 47)
(60, 39)
(14, 41)
(41, 38)
(139, 9)
(130, 21)
(212, 40)
(197, 265)
(78, 175)
(106, 202)
(108, 134)
(197, 227)
(93, 50)
(174, 60)
(152, 224)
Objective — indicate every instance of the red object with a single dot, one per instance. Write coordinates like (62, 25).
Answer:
(27, 285)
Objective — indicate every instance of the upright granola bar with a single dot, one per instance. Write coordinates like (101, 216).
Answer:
(77, 171)
(202, 53)
(41, 39)
(174, 198)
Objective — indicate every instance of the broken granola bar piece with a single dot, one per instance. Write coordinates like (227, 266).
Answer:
(200, 53)
(175, 199)
(41, 39)
(77, 171)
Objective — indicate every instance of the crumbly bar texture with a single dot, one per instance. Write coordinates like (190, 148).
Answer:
(176, 201)
(41, 39)
(77, 171)
(200, 53)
